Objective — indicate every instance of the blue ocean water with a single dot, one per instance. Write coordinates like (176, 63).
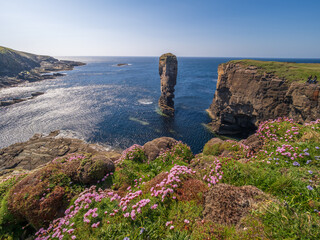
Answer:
(116, 106)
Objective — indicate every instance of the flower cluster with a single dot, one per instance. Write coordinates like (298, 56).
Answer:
(167, 185)
(178, 152)
(282, 128)
(105, 177)
(215, 173)
(134, 153)
(59, 227)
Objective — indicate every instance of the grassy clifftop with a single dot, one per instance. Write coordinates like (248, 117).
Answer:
(13, 62)
(264, 188)
(287, 70)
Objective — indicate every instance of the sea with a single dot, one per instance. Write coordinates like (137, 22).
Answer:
(116, 106)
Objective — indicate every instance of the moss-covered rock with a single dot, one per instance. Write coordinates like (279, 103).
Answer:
(44, 194)
(227, 204)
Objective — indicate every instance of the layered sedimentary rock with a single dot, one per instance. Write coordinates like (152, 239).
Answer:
(39, 150)
(245, 96)
(168, 67)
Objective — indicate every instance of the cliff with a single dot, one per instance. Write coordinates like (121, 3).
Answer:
(17, 67)
(168, 67)
(249, 92)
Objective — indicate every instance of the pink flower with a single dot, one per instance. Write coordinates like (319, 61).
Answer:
(154, 206)
(133, 214)
(95, 225)
(73, 237)
(171, 227)
(186, 221)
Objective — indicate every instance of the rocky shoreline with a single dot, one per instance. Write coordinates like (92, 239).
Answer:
(41, 149)
(39, 73)
(19, 67)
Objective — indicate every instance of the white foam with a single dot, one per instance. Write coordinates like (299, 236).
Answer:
(145, 101)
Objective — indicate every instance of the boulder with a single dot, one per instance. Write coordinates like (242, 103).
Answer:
(227, 204)
(45, 193)
(95, 169)
(154, 147)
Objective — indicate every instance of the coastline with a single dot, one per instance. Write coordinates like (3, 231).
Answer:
(45, 72)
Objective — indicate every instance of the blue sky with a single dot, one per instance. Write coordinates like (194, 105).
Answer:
(211, 28)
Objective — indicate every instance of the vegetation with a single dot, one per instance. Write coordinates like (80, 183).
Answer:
(166, 198)
(289, 71)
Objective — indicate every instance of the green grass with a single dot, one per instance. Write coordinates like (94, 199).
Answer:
(288, 71)
(289, 211)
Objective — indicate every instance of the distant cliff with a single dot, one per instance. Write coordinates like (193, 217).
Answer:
(17, 67)
(249, 92)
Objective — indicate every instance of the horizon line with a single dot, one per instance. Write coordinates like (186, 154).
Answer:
(184, 56)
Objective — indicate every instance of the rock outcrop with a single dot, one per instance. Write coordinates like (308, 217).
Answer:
(168, 67)
(39, 150)
(4, 103)
(245, 96)
(18, 67)
(153, 148)
(45, 193)
(227, 204)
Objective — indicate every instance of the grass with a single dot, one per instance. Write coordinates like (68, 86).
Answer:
(291, 72)
(286, 168)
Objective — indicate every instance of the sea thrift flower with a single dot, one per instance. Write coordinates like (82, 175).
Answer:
(95, 225)
(171, 227)
(186, 221)
(154, 206)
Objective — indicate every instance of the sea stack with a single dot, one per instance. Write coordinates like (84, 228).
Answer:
(168, 67)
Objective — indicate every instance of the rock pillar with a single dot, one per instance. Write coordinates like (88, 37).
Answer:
(168, 67)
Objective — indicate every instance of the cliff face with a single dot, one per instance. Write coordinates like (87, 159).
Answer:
(168, 67)
(245, 96)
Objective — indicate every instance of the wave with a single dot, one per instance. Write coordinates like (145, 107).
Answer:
(145, 101)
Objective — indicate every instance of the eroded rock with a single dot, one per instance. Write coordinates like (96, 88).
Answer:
(227, 204)
(168, 67)
(44, 194)
(39, 150)
(154, 147)
(245, 97)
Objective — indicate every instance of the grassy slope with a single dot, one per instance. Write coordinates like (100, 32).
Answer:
(289, 71)
(13, 62)
(287, 168)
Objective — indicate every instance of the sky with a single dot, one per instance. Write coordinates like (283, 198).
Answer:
(203, 28)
